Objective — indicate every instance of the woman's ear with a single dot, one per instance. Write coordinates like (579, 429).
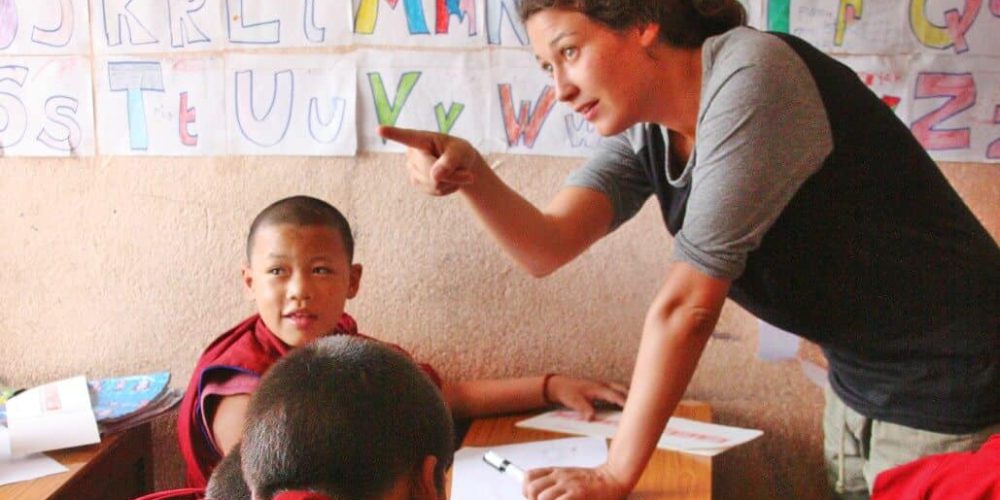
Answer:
(649, 34)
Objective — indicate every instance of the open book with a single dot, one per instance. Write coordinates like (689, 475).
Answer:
(123, 402)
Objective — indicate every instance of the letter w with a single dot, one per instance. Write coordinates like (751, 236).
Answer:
(527, 123)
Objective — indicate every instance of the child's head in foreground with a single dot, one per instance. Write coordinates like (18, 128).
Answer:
(299, 268)
(350, 418)
(227, 481)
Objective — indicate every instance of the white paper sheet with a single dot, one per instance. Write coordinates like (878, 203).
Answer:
(503, 25)
(893, 28)
(127, 27)
(44, 27)
(681, 434)
(304, 23)
(424, 90)
(473, 479)
(51, 416)
(425, 23)
(291, 105)
(525, 114)
(775, 344)
(35, 465)
(160, 106)
(46, 107)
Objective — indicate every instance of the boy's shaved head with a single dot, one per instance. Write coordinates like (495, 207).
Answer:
(303, 211)
(347, 416)
(227, 481)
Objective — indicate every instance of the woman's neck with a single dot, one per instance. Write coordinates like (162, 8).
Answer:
(677, 92)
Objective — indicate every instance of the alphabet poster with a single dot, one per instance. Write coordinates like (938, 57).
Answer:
(935, 62)
(423, 90)
(46, 107)
(316, 77)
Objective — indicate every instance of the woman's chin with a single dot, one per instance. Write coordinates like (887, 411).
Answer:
(608, 129)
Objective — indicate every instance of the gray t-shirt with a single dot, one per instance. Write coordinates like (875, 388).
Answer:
(752, 151)
(831, 221)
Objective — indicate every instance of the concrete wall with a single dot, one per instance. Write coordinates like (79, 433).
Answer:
(112, 266)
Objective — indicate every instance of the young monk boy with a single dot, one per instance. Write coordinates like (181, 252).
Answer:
(300, 273)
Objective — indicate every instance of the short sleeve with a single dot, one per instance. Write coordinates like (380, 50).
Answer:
(615, 171)
(218, 387)
(762, 131)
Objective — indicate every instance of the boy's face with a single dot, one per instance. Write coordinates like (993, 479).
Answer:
(300, 279)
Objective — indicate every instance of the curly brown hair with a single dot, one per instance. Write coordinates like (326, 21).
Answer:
(683, 23)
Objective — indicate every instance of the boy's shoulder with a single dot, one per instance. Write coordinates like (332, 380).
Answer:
(248, 346)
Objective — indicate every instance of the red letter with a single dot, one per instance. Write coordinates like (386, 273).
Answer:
(993, 150)
(959, 24)
(526, 123)
(187, 116)
(960, 89)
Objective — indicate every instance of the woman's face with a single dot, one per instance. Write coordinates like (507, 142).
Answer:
(598, 72)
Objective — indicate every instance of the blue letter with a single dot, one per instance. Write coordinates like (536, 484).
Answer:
(133, 78)
(61, 110)
(252, 128)
(183, 30)
(495, 10)
(118, 18)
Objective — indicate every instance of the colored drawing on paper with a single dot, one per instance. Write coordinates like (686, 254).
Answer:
(46, 107)
(290, 105)
(420, 89)
(432, 23)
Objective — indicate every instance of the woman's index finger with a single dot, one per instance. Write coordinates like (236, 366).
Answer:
(413, 138)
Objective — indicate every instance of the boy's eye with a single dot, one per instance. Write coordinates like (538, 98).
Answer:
(546, 67)
(569, 52)
(322, 270)
(275, 271)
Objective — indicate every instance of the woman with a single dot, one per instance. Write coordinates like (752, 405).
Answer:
(788, 187)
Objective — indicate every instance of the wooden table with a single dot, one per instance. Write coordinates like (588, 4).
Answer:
(120, 467)
(669, 475)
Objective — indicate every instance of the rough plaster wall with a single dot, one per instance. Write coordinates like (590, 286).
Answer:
(113, 266)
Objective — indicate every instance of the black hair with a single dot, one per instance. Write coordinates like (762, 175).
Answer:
(303, 211)
(683, 23)
(345, 416)
(226, 481)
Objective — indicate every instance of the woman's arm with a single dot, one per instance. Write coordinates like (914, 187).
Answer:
(476, 398)
(677, 327)
(540, 241)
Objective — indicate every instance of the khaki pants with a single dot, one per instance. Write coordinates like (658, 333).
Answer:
(858, 448)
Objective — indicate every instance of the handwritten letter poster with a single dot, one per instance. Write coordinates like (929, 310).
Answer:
(316, 77)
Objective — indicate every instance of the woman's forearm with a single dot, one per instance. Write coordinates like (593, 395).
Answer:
(675, 333)
(539, 241)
